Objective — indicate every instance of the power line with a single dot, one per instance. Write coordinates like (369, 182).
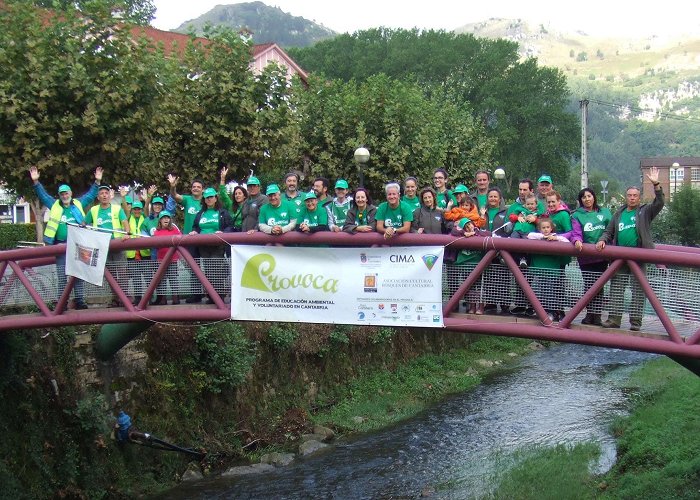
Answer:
(629, 107)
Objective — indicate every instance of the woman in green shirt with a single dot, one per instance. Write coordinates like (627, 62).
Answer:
(211, 219)
(587, 225)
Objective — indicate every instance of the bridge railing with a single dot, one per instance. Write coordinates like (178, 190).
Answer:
(668, 276)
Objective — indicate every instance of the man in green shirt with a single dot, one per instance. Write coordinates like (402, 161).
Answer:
(393, 217)
(313, 218)
(276, 217)
(292, 195)
(631, 227)
(191, 202)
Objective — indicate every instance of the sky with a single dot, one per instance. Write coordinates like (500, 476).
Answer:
(595, 17)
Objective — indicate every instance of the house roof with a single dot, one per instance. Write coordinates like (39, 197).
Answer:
(668, 161)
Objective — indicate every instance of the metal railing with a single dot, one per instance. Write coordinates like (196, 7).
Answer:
(668, 277)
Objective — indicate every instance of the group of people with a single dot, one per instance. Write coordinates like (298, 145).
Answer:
(538, 213)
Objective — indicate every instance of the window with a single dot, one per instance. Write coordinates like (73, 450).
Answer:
(695, 177)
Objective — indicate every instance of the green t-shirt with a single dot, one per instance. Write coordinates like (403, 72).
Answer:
(318, 217)
(62, 229)
(491, 214)
(297, 202)
(411, 202)
(525, 227)
(562, 221)
(481, 200)
(394, 217)
(627, 229)
(340, 212)
(444, 198)
(104, 218)
(592, 223)
(209, 221)
(192, 207)
(150, 225)
(277, 216)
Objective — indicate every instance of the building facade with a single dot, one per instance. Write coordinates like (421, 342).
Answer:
(674, 173)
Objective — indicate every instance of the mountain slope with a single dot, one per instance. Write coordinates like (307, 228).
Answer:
(268, 24)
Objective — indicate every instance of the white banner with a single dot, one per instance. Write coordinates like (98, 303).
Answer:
(397, 286)
(86, 254)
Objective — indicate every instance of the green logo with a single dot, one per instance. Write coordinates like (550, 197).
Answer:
(429, 260)
(259, 274)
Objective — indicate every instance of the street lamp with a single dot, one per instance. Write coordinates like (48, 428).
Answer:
(604, 191)
(674, 177)
(499, 173)
(361, 158)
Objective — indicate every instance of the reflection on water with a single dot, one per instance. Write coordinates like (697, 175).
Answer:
(559, 395)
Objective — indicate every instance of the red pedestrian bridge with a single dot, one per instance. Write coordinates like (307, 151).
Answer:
(668, 276)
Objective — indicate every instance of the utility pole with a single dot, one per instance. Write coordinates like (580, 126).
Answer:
(584, 143)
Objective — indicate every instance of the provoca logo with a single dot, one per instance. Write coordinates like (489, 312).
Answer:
(259, 274)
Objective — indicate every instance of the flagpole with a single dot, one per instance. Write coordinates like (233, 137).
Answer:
(106, 230)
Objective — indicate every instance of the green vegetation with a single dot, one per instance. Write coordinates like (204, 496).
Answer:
(376, 399)
(658, 455)
(226, 356)
(10, 234)
(282, 336)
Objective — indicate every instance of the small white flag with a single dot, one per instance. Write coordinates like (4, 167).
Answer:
(86, 254)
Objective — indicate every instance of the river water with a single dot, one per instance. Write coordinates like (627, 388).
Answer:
(563, 395)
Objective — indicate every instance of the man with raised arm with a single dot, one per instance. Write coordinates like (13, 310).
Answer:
(630, 226)
(62, 211)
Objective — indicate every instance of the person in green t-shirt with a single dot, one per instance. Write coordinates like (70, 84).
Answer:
(338, 209)
(277, 216)
(631, 227)
(444, 199)
(587, 225)
(410, 196)
(393, 217)
(191, 202)
(313, 218)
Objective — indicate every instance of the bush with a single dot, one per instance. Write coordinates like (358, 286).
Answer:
(282, 337)
(10, 234)
(226, 356)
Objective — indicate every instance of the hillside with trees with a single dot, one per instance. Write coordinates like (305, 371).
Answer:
(265, 23)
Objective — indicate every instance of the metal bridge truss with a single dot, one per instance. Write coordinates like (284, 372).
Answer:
(668, 276)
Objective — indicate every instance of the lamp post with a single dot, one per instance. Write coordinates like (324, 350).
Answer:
(673, 178)
(361, 158)
(499, 174)
(604, 191)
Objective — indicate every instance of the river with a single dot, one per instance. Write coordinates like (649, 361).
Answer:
(563, 395)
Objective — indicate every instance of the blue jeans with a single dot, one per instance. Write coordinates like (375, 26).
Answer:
(78, 289)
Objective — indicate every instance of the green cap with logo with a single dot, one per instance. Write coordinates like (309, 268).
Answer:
(272, 189)
(137, 204)
(341, 184)
(164, 213)
(158, 199)
(460, 188)
(63, 188)
(310, 196)
(209, 192)
(254, 181)
(545, 178)
(104, 186)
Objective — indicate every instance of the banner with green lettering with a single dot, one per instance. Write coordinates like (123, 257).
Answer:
(398, 286)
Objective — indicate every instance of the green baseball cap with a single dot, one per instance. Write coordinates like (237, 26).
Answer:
(137, 204)
(104, 186)
(463, 223)
(164, 213)
(545, 178)
(272, 189)
(460, 188)
(129, 200)
(158, 199)
(310, 196)
(63, 188)
(341, 184)
(209, 192)
(252, 180)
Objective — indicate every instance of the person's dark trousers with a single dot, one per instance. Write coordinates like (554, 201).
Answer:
(78, 289)
(590, 273)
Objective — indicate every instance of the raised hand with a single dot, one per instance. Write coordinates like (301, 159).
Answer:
(152, 190)
(172, 180)
(653, 175)
(34, 174)
(224, 171)
(98, 174)
(123, 191)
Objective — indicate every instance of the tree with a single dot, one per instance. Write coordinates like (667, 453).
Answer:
(133, 11)
(406, 132)
(76, 91)
(684, 222)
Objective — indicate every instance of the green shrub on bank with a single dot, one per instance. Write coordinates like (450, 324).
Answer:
(225, 355)
(11, 234)
(282, 337)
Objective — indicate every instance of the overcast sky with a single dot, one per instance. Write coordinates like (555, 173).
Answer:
(596, 17)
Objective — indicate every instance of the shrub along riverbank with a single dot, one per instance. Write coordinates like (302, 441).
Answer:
(658, 447)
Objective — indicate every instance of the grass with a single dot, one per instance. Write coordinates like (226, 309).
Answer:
(380, 399)
(658, 449)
